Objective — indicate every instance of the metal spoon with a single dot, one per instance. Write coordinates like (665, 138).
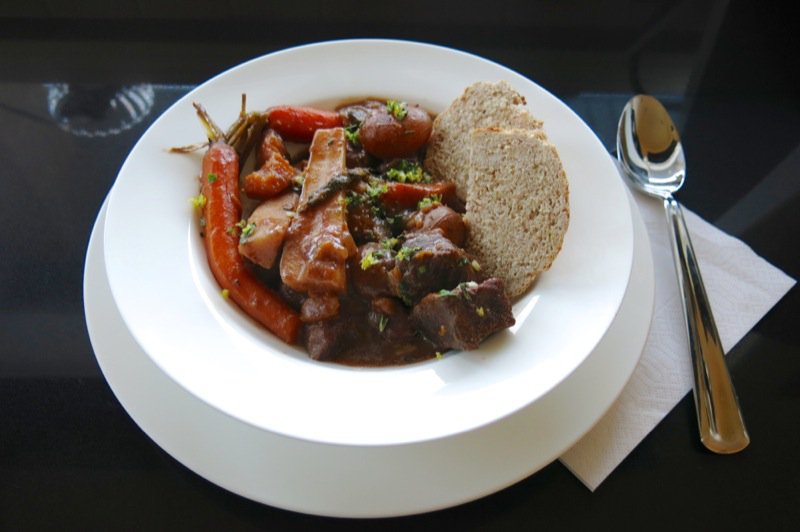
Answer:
(649, 148)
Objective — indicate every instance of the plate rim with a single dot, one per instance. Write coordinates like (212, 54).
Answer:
(272, 469)
(330, 437)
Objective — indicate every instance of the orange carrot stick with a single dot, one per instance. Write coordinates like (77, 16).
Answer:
(407, 195)
(298, 124)
(222, 212)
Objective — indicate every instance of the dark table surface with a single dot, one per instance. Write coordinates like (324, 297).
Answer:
(72, 458)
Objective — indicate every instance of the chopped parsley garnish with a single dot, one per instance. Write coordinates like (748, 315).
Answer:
(480, 312)
(372, 258)
(212, 177)
(429, 201)
(247, 230)
(244, 228)
(389, 243)
(352, 199)
(199, 201)
(406, 253)
(408, 172)
(375, 191)
(382, 323)
(225, 293)
(461, 289)
(397, 109)
(352, 133)
(472, 263)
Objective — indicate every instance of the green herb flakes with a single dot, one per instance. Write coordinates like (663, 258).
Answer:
(376, 190)
(389, 243)
(199, 201)
(435, 199)
(408, 172)
(372, 258)
(212, 177)
(353, 133)
(397, 109)
(247, 230)
(406, 253)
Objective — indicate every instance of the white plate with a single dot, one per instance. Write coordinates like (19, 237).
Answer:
(354, 481)
(166, 295)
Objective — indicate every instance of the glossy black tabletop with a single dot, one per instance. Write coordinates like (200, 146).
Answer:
(71, 458)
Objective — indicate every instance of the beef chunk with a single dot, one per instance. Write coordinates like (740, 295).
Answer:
(367, 333)
(372, 271)
(318, 307)
(325, 339)
(364, 225)
(439, 217)
(428, 262)
(391, 319)
(461, 318)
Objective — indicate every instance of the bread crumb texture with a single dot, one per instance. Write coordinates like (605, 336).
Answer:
(518, 206)
(483, 104)
(511, 178)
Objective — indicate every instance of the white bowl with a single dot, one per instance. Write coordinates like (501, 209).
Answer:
(169, 301)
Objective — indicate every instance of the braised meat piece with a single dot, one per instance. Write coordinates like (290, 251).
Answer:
(325, 339)
(318, 307)
(372, 271)
(439, 217)
(365, 333)
(364, 225)
(463, 317)
(391, 318)
(428, 262)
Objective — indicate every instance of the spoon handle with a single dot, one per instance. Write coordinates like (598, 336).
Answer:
(720, 420)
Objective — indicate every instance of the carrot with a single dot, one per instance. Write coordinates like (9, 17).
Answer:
(399, 196)
(222, 212)
(274, 173)
(269, 143)
(298, 124)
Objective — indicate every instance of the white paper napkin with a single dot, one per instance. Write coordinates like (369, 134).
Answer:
(741, 287)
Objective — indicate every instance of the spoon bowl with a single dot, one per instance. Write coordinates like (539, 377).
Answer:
(649, 147)
(651, 154)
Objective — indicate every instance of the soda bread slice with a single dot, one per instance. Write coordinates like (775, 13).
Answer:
(517, 204)
(482, 104)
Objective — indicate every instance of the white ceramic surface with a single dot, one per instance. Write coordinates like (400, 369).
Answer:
(357, 481)
(170, 303)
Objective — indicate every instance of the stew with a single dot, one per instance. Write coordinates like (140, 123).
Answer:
(363, 249)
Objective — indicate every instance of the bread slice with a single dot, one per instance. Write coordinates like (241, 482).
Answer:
(482, 104)
(517, 206)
